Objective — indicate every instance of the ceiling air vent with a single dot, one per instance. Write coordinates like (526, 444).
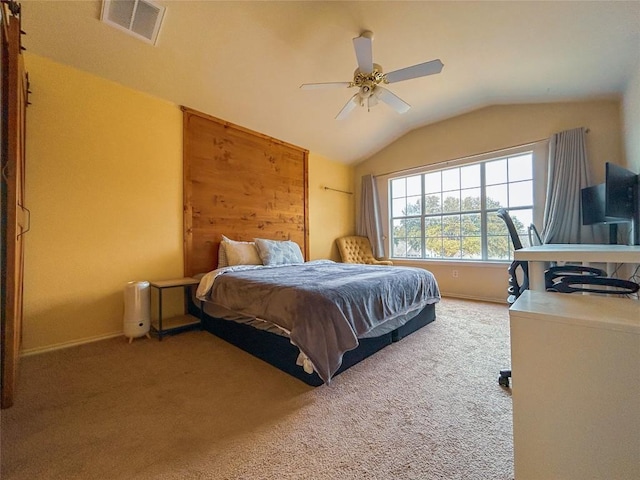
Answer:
(140, 18)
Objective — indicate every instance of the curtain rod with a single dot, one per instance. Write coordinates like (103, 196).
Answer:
(448, 162)
(336, 190)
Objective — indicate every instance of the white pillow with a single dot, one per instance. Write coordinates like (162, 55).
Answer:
(279, 252)
(233, 252)
(222, 254)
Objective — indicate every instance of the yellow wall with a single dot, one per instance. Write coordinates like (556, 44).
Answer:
(104, 186)
(331, 214)
(489, 129)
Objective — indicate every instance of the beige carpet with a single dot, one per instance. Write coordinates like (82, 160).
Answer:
(195, 407)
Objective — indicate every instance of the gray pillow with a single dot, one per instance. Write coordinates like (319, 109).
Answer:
(279, 252)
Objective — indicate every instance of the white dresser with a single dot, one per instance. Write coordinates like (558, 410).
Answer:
(575, 363)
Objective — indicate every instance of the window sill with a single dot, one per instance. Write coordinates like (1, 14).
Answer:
(457, 263)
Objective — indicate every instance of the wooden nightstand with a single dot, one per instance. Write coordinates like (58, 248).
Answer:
(164, 326)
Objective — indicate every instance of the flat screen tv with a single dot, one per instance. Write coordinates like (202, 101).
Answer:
(593, 210)
(623, 196)
(620, 188)
(594, 204)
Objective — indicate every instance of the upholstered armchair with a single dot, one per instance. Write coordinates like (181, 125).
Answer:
(357, 249)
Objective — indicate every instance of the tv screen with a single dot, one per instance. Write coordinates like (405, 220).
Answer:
(619, 190)
(593, 206)
(593, 210)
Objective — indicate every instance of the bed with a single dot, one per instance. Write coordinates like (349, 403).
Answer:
(322, 308)
(254, 189)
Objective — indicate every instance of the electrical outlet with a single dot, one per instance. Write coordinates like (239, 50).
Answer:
(454, 273)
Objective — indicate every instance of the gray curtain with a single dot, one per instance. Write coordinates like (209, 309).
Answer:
(368, 221)
(567, 175)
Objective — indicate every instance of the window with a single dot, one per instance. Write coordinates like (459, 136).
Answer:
(449, 214)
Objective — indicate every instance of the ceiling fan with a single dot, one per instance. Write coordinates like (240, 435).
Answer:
(368, 77)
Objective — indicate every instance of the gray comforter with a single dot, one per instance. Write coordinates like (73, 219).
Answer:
(325, 306)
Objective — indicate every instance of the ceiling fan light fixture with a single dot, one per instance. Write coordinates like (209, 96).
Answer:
(366, 90)
(372, 101)
(368, 76)
(375, 76)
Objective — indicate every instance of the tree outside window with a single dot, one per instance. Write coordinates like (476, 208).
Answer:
(451, 213)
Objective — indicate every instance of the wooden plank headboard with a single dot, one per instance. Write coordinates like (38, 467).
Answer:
(241, 184)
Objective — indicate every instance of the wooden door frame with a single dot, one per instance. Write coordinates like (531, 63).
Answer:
(14, 102)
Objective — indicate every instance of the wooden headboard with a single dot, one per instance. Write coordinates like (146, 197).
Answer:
(241, 184)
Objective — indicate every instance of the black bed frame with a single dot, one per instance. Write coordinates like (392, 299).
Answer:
(278, 351)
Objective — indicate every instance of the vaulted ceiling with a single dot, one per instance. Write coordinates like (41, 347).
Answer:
(245, 61)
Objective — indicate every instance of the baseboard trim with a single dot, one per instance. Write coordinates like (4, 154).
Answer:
(502, 301)
(82, 341)
(73, 343)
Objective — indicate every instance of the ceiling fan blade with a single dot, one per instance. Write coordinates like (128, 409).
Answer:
(313, 86)
(392, 100)
(419, 70)
(363, 46)
(350, 105)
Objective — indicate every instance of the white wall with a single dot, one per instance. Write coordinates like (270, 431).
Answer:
(631, 122)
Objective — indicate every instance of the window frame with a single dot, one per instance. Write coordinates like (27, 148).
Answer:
(539, 151)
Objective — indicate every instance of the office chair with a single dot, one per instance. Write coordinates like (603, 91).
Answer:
(558, 281)
(515, 288)
(534, 236)
(552, 276)
(559, 278)
(563, 278)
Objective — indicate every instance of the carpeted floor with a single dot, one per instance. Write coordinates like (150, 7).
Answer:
(195, 407)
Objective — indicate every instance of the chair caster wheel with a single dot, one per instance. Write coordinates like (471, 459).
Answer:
(503, 381)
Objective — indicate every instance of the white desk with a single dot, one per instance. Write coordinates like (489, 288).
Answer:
(576, 385)
(586, 253)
